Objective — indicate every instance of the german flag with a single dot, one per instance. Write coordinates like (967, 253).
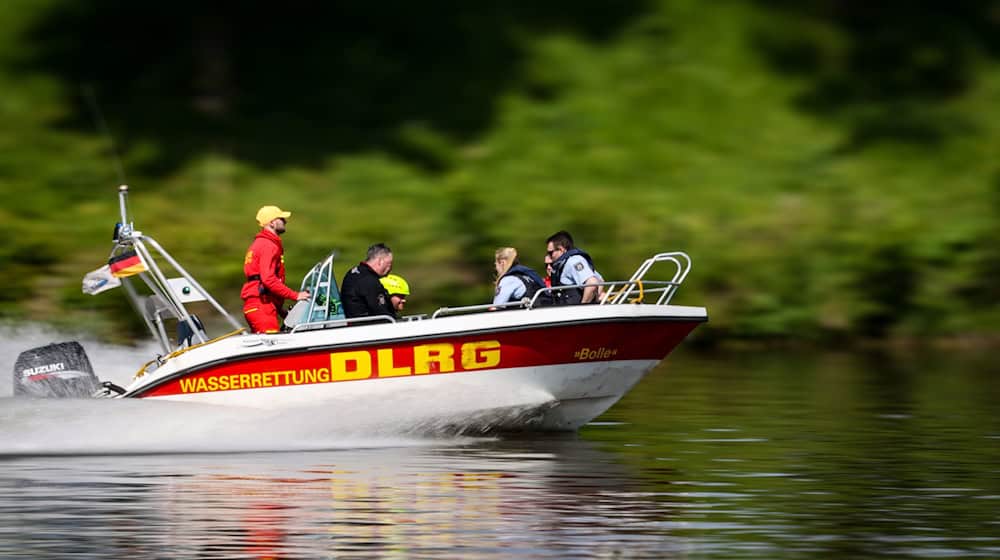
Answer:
(127, 263)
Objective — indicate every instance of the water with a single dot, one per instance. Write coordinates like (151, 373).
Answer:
(759, 455)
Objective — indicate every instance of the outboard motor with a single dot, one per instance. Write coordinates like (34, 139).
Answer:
(58, 370)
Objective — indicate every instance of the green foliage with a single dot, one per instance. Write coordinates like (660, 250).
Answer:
(818, 197)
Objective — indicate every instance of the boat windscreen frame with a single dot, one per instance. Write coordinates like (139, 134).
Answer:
(324, 296)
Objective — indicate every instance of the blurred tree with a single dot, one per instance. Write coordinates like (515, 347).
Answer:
(887, 62)
(291, 84)
(886, 280)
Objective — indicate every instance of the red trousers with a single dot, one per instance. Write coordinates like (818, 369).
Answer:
(261, 316)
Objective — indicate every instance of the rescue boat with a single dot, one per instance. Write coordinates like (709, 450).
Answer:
(473, 369)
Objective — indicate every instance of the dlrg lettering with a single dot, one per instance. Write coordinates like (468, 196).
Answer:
(350, 365)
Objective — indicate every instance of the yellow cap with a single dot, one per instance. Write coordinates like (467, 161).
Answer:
(268, 213)
(395, 285)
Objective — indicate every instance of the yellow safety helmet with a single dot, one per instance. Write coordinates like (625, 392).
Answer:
(395, 285)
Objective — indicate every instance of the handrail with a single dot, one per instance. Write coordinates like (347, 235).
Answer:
(553, 289)
(667, 285)
(350, 322)
(475, 308)
(635, 285)
(641, 288)
(680, 259)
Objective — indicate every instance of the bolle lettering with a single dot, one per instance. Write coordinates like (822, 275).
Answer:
(601, 353)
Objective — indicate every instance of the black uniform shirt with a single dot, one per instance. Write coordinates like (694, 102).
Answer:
(363, 295)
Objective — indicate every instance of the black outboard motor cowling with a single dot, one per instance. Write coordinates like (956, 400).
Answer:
(59, 370)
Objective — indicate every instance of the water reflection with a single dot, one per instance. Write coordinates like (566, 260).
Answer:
(772, 455)
(537, 497)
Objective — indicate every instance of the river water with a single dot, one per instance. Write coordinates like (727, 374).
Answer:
(721, 455)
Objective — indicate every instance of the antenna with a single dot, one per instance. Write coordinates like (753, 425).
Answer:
(123, 203)
(102, 127)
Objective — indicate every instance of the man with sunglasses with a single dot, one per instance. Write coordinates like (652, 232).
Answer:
(571, 267)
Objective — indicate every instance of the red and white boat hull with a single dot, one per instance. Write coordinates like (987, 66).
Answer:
(550, 369)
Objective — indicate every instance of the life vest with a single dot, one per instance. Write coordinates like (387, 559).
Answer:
(531, 280)
(570, 296)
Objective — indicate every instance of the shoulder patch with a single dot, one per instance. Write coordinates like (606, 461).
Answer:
(579, 266)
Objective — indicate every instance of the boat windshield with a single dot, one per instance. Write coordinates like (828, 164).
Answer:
(324, 305)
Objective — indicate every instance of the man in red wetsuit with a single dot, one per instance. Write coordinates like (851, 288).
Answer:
(265, 291)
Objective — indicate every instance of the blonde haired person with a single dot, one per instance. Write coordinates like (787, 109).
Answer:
(514, 280)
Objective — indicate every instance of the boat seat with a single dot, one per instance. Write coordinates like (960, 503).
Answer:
(185, 336)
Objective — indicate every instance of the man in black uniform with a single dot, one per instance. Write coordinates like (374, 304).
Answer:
(361, 292)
